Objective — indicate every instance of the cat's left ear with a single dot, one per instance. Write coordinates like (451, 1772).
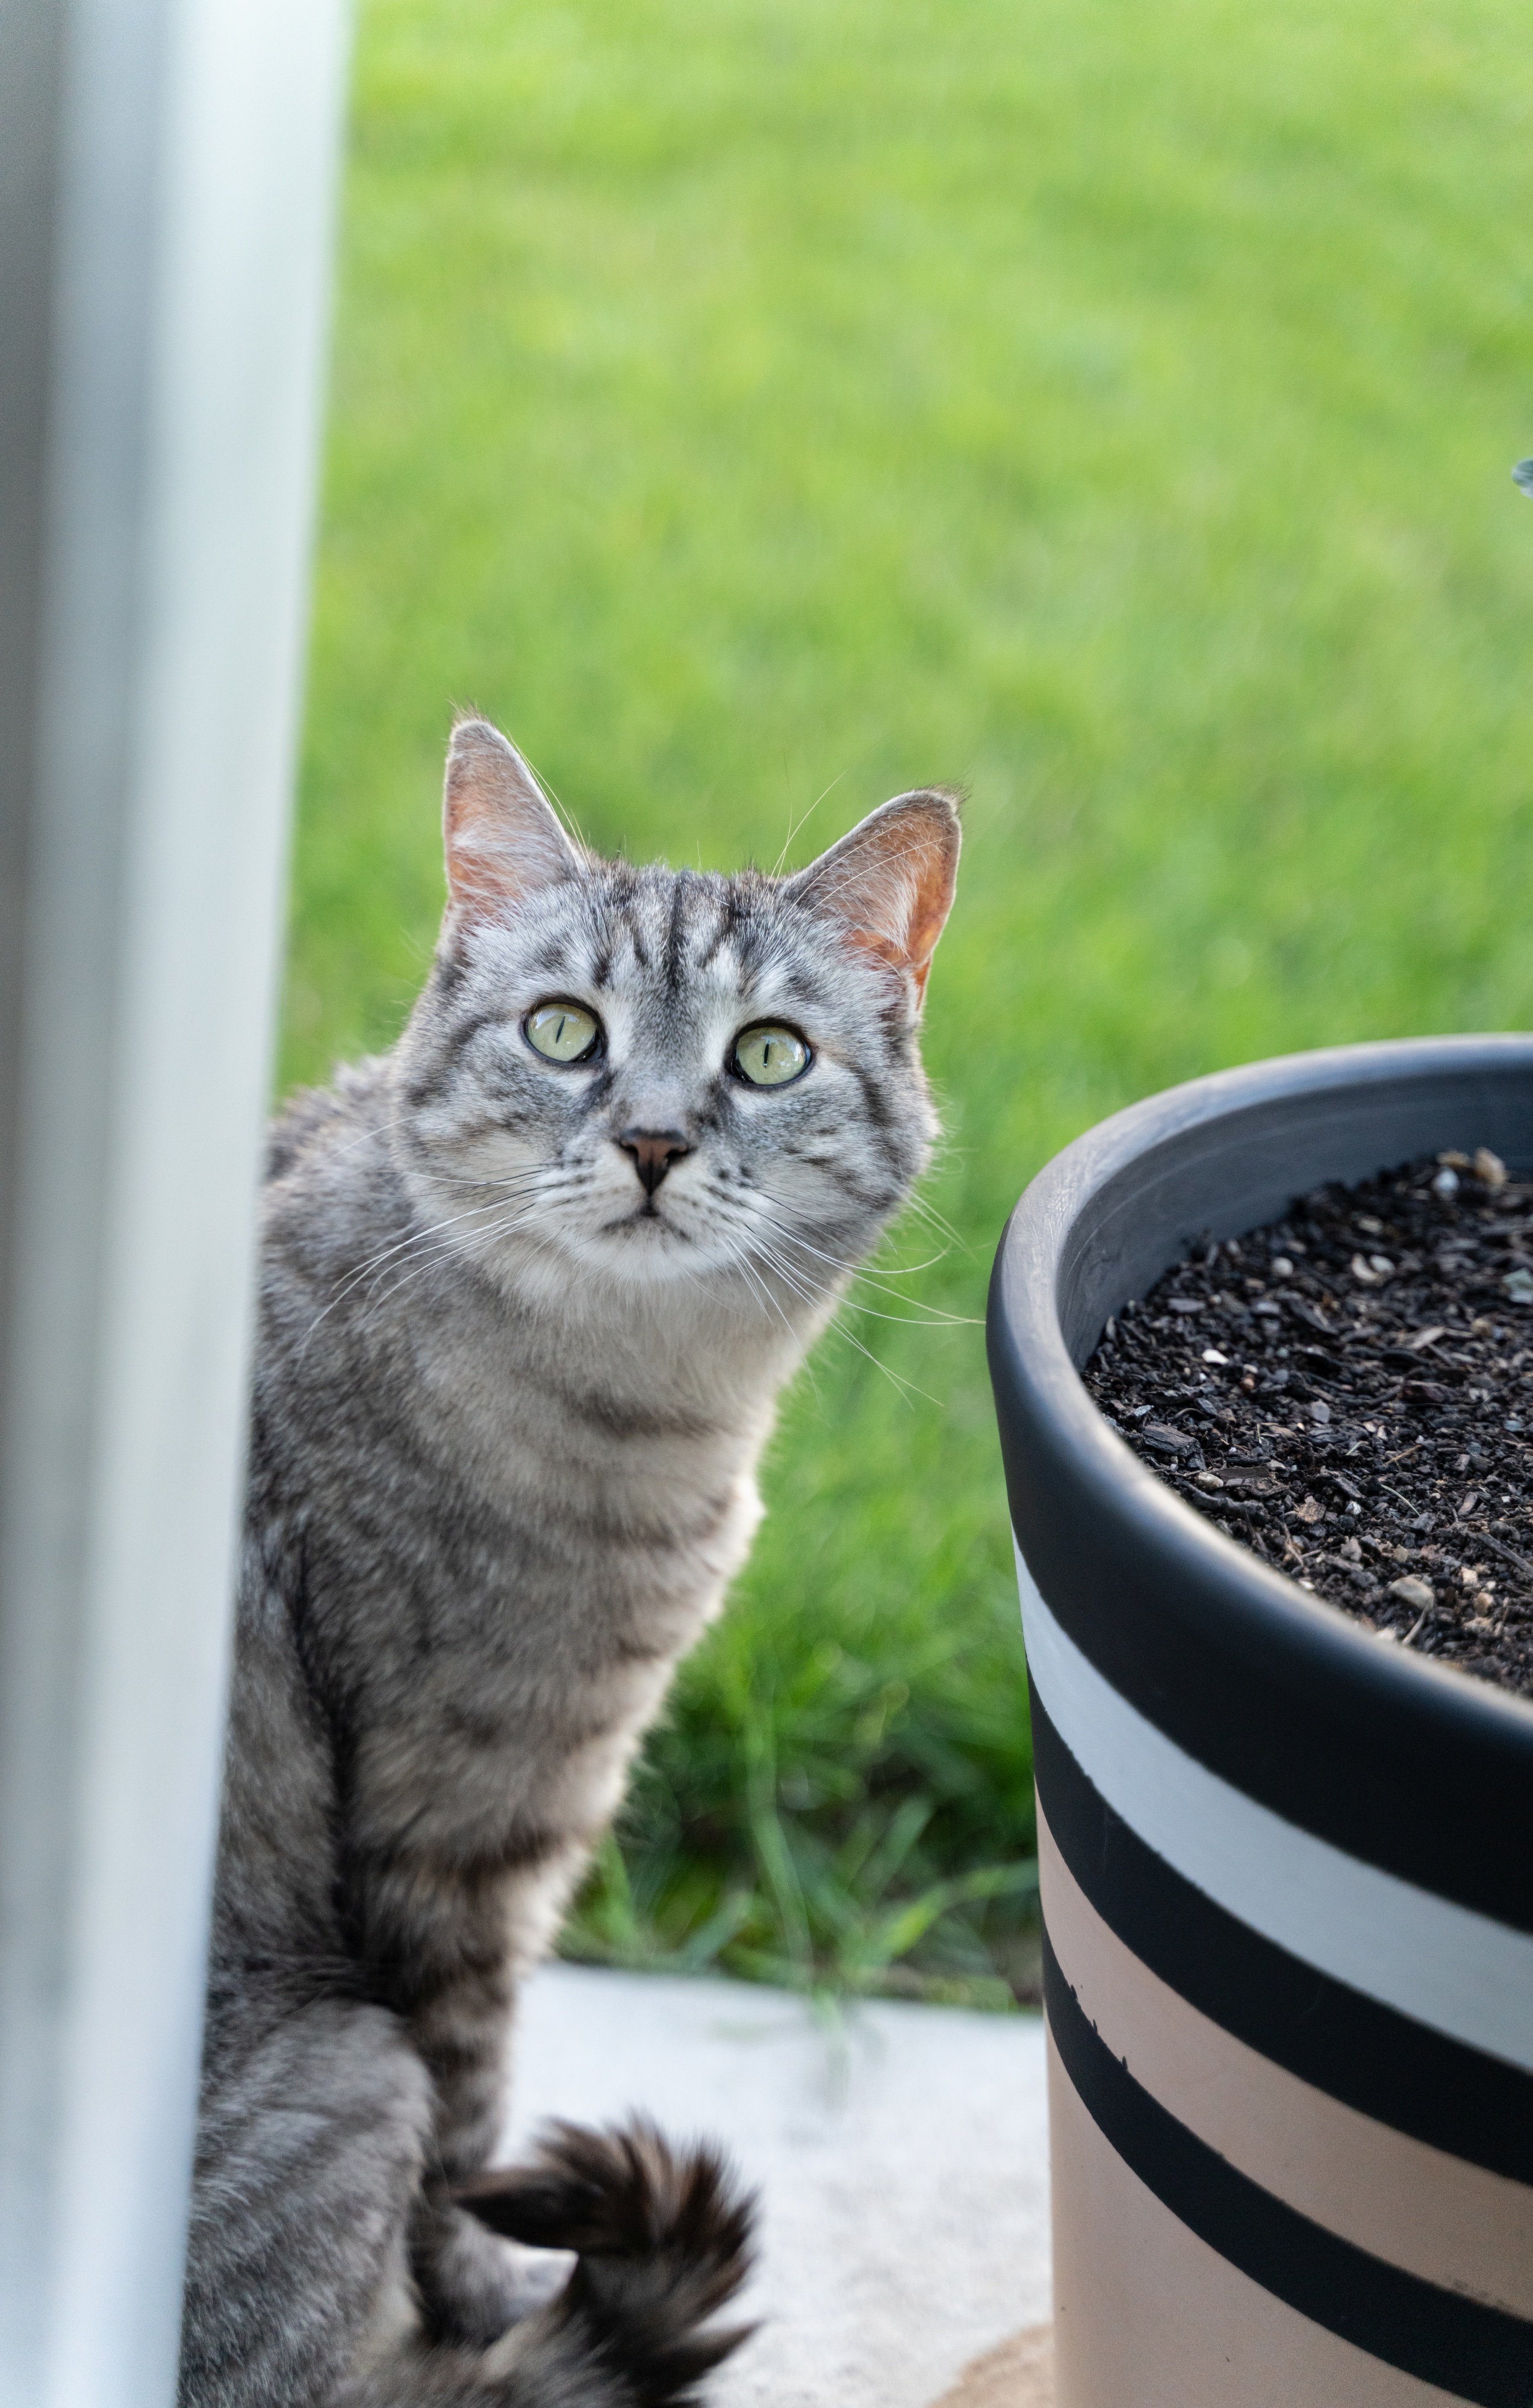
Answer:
(889, 884)
(502, 838)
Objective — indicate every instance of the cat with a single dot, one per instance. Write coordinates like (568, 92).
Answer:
(530, 1286)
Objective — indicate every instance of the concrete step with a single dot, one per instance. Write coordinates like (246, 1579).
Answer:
(901, 2153)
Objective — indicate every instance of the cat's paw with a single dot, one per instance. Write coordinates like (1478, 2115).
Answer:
(664, 2242)
(472, 2286)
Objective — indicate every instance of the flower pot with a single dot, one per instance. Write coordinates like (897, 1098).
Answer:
(1287, 1870)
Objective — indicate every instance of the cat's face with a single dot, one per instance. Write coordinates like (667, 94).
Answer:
(671, 1076)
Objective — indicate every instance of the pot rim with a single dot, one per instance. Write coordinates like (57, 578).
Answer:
(1035, 1240)
(1263, 1680)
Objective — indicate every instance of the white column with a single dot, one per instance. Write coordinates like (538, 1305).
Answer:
(167, 185)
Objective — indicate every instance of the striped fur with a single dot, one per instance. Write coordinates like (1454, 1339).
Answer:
(507, 1405)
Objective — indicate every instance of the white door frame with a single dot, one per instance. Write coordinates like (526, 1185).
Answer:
(168, 170)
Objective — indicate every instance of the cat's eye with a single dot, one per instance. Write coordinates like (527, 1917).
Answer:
(768, 1056)
(561, 1032)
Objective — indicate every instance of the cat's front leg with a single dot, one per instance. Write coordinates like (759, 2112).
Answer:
(472, 2288)
(466, 1952)
(470, 2285)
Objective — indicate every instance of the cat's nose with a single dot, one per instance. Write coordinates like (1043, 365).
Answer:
(653, 1151)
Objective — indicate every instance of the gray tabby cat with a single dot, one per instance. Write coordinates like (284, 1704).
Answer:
(531, 1285)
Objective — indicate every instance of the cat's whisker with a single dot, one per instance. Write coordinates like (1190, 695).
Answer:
(813, 1292)
(850, 1270)
(402, 1245)
(763, 1289)
(420, 1238)
(379, 1129)
(355, 1279)
(928, 1316)
(923, 1317)
(807, 1291)
(907, 1388)
(913, 1203)
(448, 1248)
(742, 1263)
(795, 827)
(527, 1175)
(939, 1223)
(849, 882)
(818, 1292)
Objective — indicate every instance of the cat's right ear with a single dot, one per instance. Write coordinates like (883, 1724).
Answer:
(502, 838)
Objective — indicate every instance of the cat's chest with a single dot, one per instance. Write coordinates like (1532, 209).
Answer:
(496, 1771)
(516, 1554)
(638, 1480)
(519, 1636)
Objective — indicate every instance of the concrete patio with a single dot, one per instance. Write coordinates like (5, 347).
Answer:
(901, 2153)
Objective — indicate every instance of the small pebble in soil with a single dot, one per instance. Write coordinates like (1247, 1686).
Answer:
(1418, 1593)
(1346, 1392)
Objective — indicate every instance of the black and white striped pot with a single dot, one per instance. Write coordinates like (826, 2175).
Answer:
(1287, 1871)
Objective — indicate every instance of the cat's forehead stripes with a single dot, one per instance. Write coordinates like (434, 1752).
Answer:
(688, 932)
(675, 935)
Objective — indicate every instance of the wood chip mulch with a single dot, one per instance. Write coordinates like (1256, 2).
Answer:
(1350, 1393)
(1018, 2374)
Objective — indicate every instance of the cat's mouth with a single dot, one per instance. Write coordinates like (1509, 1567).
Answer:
(648, 1211)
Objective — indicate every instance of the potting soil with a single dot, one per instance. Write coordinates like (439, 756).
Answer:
(1346, 1394)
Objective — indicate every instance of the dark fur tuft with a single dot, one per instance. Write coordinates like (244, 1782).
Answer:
(663, 2241)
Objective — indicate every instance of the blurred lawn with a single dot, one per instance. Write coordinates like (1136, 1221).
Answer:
(747, 401)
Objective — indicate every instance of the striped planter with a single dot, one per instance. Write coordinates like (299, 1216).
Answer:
(1287, 1871)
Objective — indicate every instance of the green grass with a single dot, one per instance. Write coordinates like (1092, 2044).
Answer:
(747, 401)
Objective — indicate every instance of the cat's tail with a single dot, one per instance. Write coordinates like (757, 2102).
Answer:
(663, 2238)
